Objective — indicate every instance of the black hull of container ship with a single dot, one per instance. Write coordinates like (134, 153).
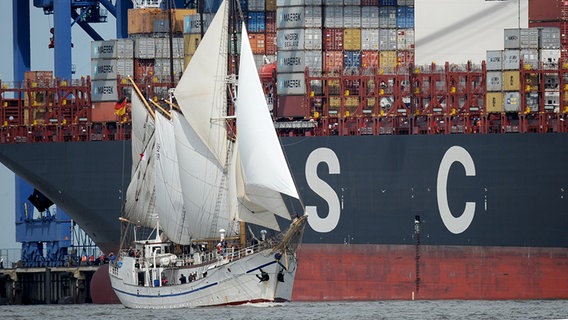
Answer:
(390, 217)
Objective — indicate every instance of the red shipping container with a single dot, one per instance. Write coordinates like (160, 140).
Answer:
(547, 10)
(291, 106)
(333, 61)
(270, 23)
(143, 69)
(333, 39)
(369, 59)
(370, 3)
(405, 58)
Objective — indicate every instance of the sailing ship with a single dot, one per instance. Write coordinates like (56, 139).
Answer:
(199, 183)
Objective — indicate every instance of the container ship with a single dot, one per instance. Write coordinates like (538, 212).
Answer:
(421, 182)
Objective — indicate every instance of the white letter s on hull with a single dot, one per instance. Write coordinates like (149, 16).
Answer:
(323, 189)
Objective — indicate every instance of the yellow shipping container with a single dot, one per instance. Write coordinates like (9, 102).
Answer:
(270, 5)
(186, 60)
(334, 102)
(190, 43)
(494, 102)
(511, 80)
(387, 59)
(352, 39)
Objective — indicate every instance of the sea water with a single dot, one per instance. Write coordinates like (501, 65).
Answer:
(447, 309)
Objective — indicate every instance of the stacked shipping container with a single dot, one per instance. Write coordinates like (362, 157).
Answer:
(512, 75)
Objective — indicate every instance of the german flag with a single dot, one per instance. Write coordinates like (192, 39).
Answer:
(120, 107)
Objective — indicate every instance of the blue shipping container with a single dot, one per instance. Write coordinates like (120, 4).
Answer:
(256, 22)
(405, 17)
(352, 59)
(387, 2)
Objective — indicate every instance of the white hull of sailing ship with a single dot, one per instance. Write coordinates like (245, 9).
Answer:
(226, 283)
(193, 176)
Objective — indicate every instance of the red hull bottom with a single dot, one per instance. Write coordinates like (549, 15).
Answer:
(384, 272)
(334, 272)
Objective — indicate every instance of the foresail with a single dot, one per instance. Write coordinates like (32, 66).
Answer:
(201, 176)
(139, 205)
(169, 196)
(265, 171)
(202, 91)
(242, 209)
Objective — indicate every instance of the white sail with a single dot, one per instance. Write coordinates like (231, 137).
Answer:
(140, 198)
(142, 129)
(202, 182)
(265, 171)
(201, 92)
(241, 208)
(169, 196)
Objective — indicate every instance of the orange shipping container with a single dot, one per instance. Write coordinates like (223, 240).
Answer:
(103, 112)
(142, 20)
(257, 43)
(370, 59)
(270, 43)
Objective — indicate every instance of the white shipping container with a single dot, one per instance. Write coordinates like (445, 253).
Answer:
(549, 58)
(313, 2)
(370, 39)
(290, 17)
(530, 57)
(104, 90)
(494, 81)
(290, 39)
(405, 39)
(494, 60)
(162, 68)
(312, 39)
(333, 2)
(112, 49)
(405, 2)
(352, 2)
(512, 101)
(313, 17)
(369, 17)
(291, 61)
(289, 3)
(511, 59)
(163, 48)
(524, 38)
(291, 84)
(192, 23)
(333, 17)
(551, 100)
(144, 48)
(256, 5)
(549, 38)
(387, 17)
(551, 82)
(387, 39)
(102, 69)
(532, 101)
(313, 60)
(352, 17)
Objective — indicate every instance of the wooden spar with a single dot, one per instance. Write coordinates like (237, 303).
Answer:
(173, 105)
(163, 110)
(142, 97)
